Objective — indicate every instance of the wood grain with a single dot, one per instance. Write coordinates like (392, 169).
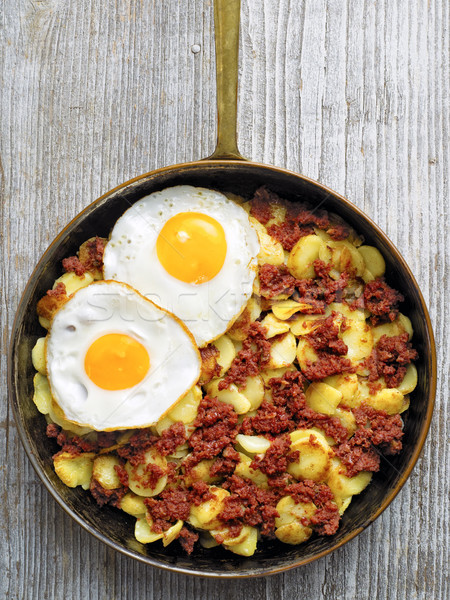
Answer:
(354, 93)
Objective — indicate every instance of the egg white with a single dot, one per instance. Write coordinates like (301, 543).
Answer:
(208, 309)
(110, 307)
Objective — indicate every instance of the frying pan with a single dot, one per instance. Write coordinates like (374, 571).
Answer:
(225, 170)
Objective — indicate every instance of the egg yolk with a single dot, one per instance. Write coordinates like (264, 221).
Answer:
(192, 247)
(116, 361)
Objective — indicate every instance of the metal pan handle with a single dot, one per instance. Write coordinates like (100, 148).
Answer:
(226, 29)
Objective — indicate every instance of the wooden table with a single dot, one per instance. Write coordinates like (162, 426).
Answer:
(352, 93)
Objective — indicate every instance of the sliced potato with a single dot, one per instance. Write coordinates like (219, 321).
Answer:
(409, 382)
(270, 250)
(38, 356)
(230, 395)
(390, 400)
(285, 309)
(254, 391)
(138, 475)
(274, 326)
(105, 473)
(290, 529)
(303, 255)
(323, 398)
(246, 547)
(305, 353)
(133, 505)
(343, 486)
(143, 532)
(227, 352)
(314, 458)
(373, 260)
(358, 338)
(74, 282)
(74, 470)
(253, 444)
(172, 533)
(283, 351)
(205, 515)
(239, 330)
(42, 396)
(346, 384)
(186, 409)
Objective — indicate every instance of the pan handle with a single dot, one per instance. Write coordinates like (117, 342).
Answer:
(226, 29)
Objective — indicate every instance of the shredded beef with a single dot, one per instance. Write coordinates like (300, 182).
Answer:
(226, 464)
(73, 264)
(289, 232)
(250, 505)
(327, 365)
(331, 426)
(73, 445)
(269, 419)
(174, 504)
(103, 496)
(329, 348)
(322, 290)
(105, 439)
(152, 474)
(122, 474)
(385, 430)
(171, 505)
(358, 454)
(389, 359)
(381, 300)
(338, 232)
(326, 518)
(171, 438)
(260, 204)
(95, 248)
(275, 281)
(375, 428)
(325, 337)
(187, 539)
(289, 411)
(249, 361)
(52, 430)
(58, 292)
(216, 428)
(277, 457)
(300, 219)
(139, 443)
(199, 493)
(91, 257)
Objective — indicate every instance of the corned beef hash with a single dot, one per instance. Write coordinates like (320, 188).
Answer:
(224, 370)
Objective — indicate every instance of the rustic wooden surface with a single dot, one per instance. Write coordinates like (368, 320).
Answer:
(353, 93)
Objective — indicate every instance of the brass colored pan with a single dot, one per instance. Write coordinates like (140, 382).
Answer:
(225, 170)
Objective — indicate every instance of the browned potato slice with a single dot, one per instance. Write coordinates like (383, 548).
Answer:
(323, 398)
(143, 532)
(289, 524)
(303, 255)
(314, 459)
(74, 470)
(104, 471)
(138, 477)
(204, 516)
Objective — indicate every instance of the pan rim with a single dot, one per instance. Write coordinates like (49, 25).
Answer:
(258, 572)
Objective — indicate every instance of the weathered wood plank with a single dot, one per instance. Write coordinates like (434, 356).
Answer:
(354, 93)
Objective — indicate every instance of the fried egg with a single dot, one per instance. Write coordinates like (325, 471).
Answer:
(192, 251)
(117, 361)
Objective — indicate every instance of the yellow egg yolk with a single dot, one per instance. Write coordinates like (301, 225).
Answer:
(192, 247)
(116, 362)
